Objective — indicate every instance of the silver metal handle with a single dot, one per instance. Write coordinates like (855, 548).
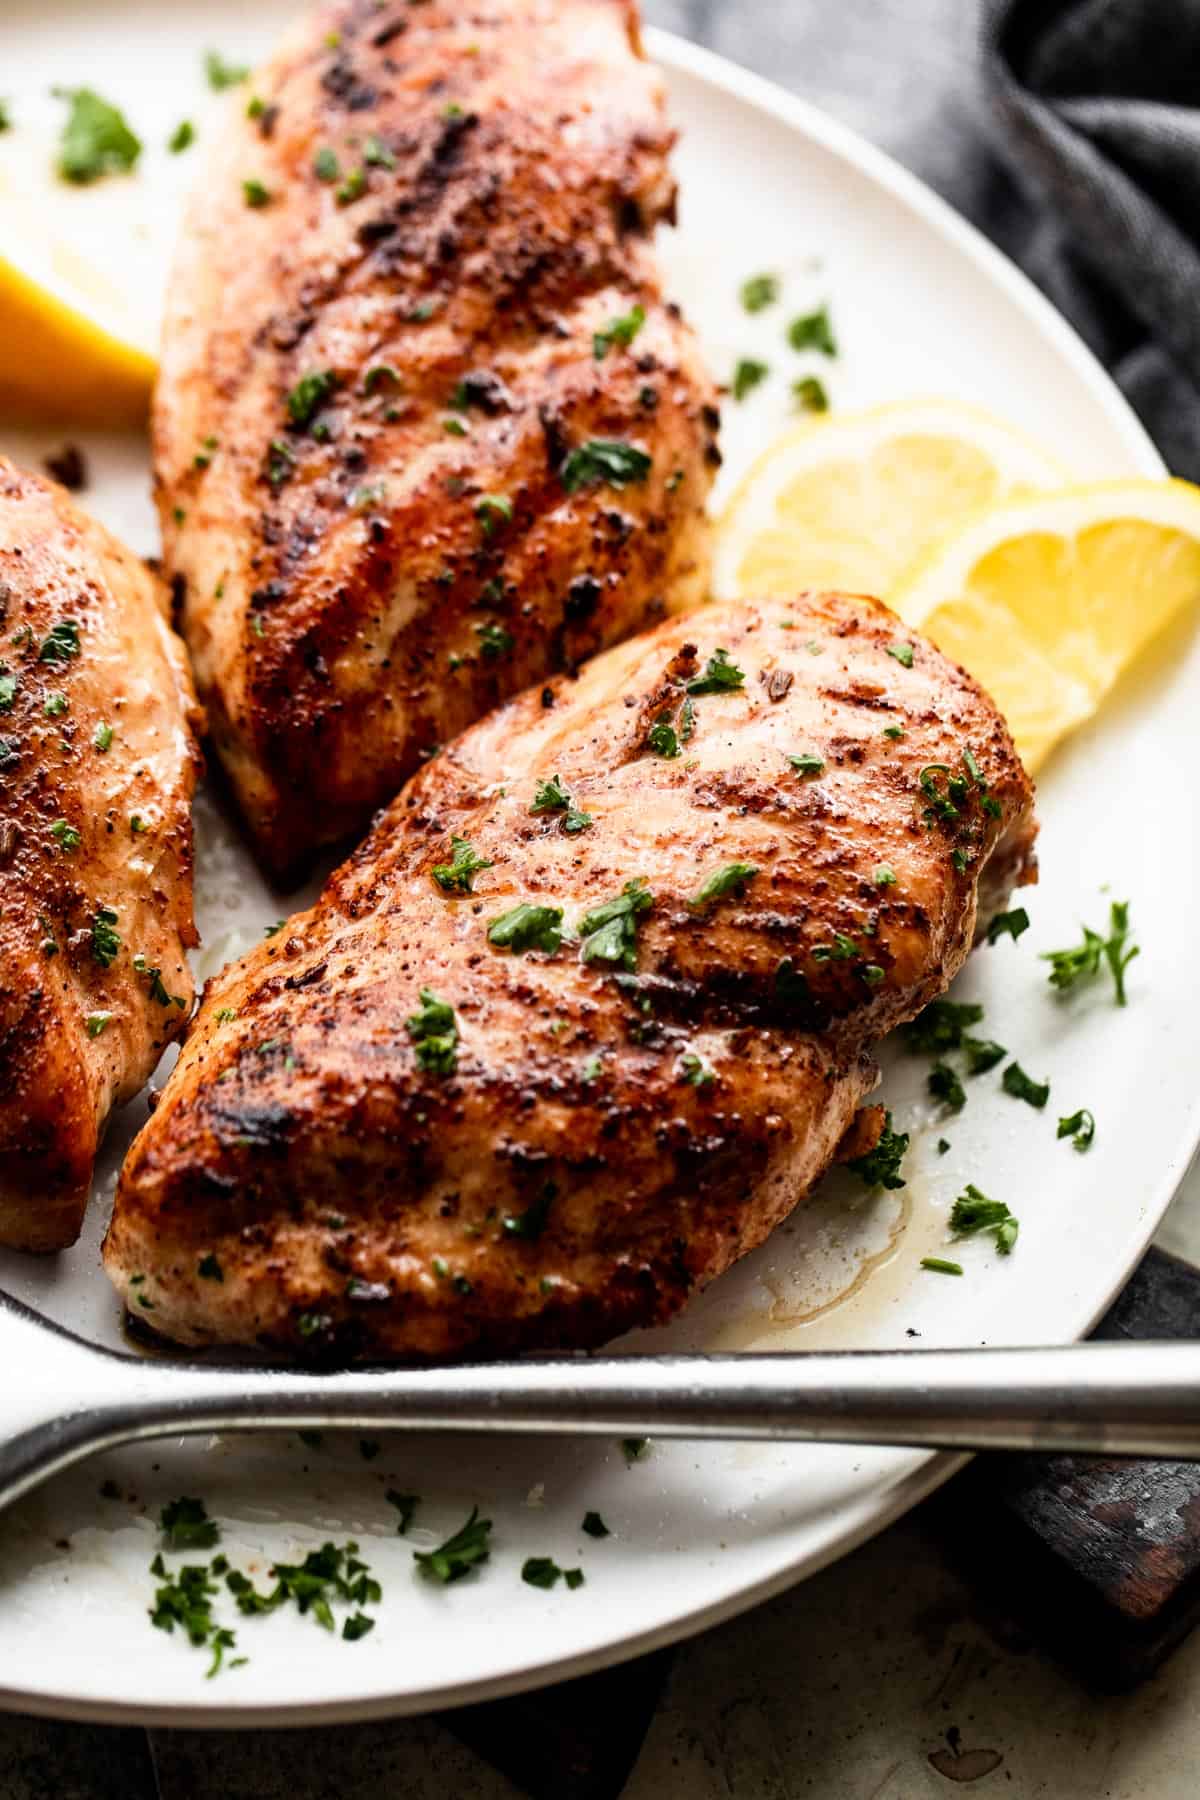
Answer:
(1105, 1398)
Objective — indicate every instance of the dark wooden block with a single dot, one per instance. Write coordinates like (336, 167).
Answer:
(1099, 1558)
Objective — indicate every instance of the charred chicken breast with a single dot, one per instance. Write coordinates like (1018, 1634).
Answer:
(98, 761)
(426, 429)
(592, 1007)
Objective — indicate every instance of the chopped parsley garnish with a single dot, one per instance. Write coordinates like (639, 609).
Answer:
(903, 654)
(973, 1213)
(97, 1023)
(944, 1085)
(633, 1449)
(66, 836)
(880, 1167)
(5, 117)
(663, 739)
(748, 375)
(1011, 924)
(310, 394)
(719, 677)
(982, 1054)
(939, 1266)
(459, 873)
(1084, 961)
(186, 1600)
(544, 1572)
(209, 1269)
(61, 644)
(494, 640)
(621, 330)
(609, 932)
(604, 459)
(551, 797)
(434, 1031)
(406, 1505)
(376, 154)
(96, 140)
(334, 1572)
(883, 876)
(594, 1525)
(1080, 1127)
(759, 292)
(940, 1027)
(469, 1546)
(185, 1525)
(8, 689)
(531, 1223)
(943, 1144)
(222, 74)
(353, 188)
(808, 764)
(1016, 1082)
(528, 927)
(183, 136)
(492, 510)
(378, 373)
(696, 1072)
(813, 331)
(357, 1626)
(254, 193)
(325, 165)
(154, 977)
(810, 395)
(105, 941)
(893, 731)
(731, 879)
(55, 705)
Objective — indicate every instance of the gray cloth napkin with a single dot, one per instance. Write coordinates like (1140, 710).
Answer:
(1069, 130)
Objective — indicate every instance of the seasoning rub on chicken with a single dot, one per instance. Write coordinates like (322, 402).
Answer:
(592, 1008)
(98, 761)
(426, 429)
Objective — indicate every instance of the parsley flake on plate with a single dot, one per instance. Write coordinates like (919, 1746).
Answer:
(544, 1572)
(813, 331)
(96, 140)
(759, 292)
(973, 1213)
(880, 1167)
(221, 74)
(810, 395)
(1085, 960)
(1080, 1127)
(1017, 1083)
(185, 1525)
(748, 374)
(465, 1550)
(1008, 924)
(939, 1266)
(944, 1085)
(940, 1027)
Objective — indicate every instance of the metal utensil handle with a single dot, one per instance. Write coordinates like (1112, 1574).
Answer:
(1108, 1399)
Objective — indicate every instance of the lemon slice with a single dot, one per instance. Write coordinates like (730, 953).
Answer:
(82, 274)
(849, 502)
(1046, 601)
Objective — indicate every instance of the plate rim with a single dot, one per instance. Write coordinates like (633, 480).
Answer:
(922, 1472)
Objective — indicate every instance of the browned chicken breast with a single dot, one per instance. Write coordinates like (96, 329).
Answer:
(98, 761)
(426, 429)
(592, 1008)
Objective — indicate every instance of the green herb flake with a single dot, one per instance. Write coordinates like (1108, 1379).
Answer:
(61, 644)
(531, 1223)
(609, 932)
(634, 1449)
(1010, 924)
(376, 153)
(357, 1626)
(621, 330)
(944, 1085)
(310, 394)
(494, 640)
(973, 1213)
(606, 460)
(731, 879)
(406, 1505)
(8, 692)
(939, 1266)
(982, 1054)
(221, 74)
(883, 876)
(1016, 1082)
(469, 1546)
(551, 797)
(748, 375)
(720, 676)
(1084, 961)
(759, 292)
(182, 138)
(185, 1525)
(810, 395)
(903, 654)
(594, 1526)
(492, 511)
(544, 1572)
(458, 875)
(254, 193)
(813, 331)
(808, 764)
(97, 1023)
(528, 927)
(66, 836)
(434, 1031)
(1080, 1127)
(353, 188)
(105, 941)
(880, 1167)
(895, 732)
(940, 1027)
(96, 141)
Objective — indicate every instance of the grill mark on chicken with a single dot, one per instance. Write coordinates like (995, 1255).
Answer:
(678, 1108)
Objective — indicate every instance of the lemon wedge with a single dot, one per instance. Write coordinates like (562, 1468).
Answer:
(848, 502)
(1047, 600)
(82, 275)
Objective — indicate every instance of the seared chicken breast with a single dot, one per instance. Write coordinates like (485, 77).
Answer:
(426, 429)
(593, 1006)
(98, 761)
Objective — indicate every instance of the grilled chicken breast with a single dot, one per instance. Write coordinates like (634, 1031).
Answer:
(426, 430)
(98, 761)
(415, 1123)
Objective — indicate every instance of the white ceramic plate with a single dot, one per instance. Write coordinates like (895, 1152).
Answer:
(921, 304)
